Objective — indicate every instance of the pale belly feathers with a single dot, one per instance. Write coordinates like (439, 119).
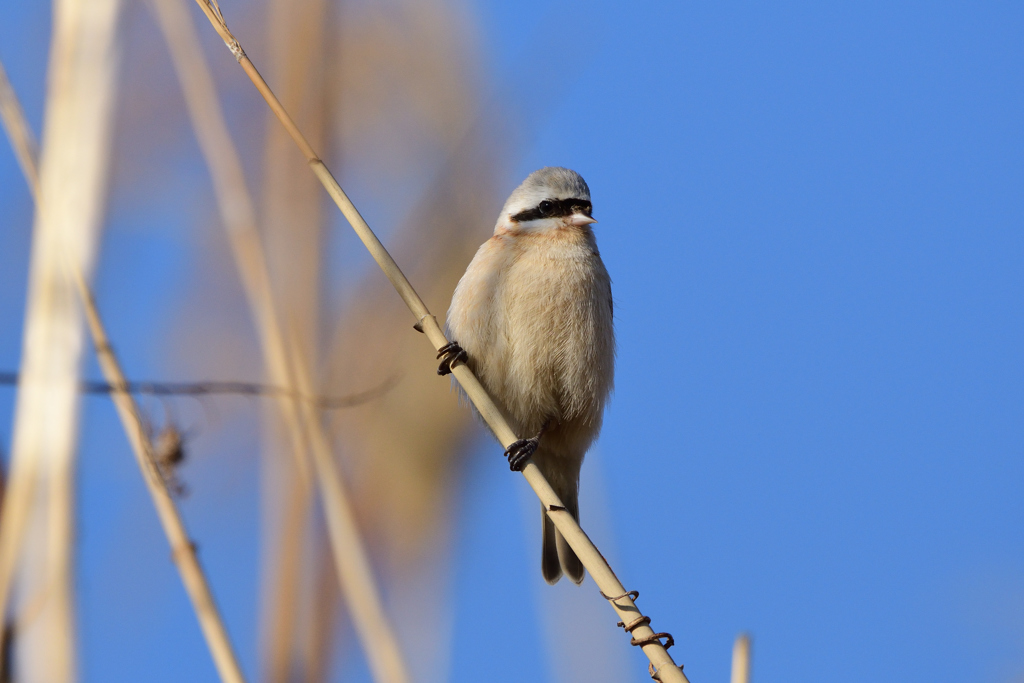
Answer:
(534, 313)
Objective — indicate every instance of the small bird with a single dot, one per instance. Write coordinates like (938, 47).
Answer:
(533, 320)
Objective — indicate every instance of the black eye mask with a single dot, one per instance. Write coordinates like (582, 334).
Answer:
(554, 208)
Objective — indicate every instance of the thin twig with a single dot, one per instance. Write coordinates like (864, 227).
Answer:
(662, 664)
(359, 588)
(222, 388)
(183, 551)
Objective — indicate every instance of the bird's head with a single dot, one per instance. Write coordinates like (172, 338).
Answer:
(548, 199)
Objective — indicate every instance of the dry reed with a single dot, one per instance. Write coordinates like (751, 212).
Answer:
(234, 202)
(304, 425)
(38, 524)
(741, 659)
(662, 664)
(18, 133)
(355, 570)
(21, 480)
(420, 55)
(290, 218)
(182, 549)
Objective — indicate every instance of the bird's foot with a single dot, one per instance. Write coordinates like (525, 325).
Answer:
(450, 353)
(520, 451)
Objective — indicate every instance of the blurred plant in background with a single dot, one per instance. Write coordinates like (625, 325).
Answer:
(389, 89)
(392, 92)
(391, 95)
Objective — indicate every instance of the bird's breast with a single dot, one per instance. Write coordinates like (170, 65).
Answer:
(555, 299)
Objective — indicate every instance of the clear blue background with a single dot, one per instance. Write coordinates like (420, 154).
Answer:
(812, 214)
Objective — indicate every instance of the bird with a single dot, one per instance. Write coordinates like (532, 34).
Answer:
(532, 317)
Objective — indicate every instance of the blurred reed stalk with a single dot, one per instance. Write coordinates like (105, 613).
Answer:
(20, 484)
(182, 549)
(405, 106)
(238, 215)
(37, 520)
(358, 584)
(234, 202)
(741, 659)
(296, 619)
(662, 664)
(19, 133)
(417, 55)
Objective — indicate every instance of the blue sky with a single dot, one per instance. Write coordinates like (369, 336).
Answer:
(812, 216)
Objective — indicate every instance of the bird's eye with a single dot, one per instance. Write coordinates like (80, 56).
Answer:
(545, 208)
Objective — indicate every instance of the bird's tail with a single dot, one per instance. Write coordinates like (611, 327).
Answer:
(556, 555)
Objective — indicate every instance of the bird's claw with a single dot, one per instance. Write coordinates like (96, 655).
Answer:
(451, 353)
(519, 452)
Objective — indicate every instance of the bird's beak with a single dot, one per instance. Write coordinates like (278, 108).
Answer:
(579, 219)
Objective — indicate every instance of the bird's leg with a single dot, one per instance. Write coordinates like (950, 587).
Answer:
(521, 451)
(452, 353)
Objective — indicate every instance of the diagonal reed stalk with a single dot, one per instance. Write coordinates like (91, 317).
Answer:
(19, 133)
(358, 585)
(234, 202)
(662, 665)
(182, 549)
(238, 216)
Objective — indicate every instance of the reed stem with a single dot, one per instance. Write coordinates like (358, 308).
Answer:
(284, 357)
(183, 551)
(19, 133)
(661, 662)
(741, 659)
